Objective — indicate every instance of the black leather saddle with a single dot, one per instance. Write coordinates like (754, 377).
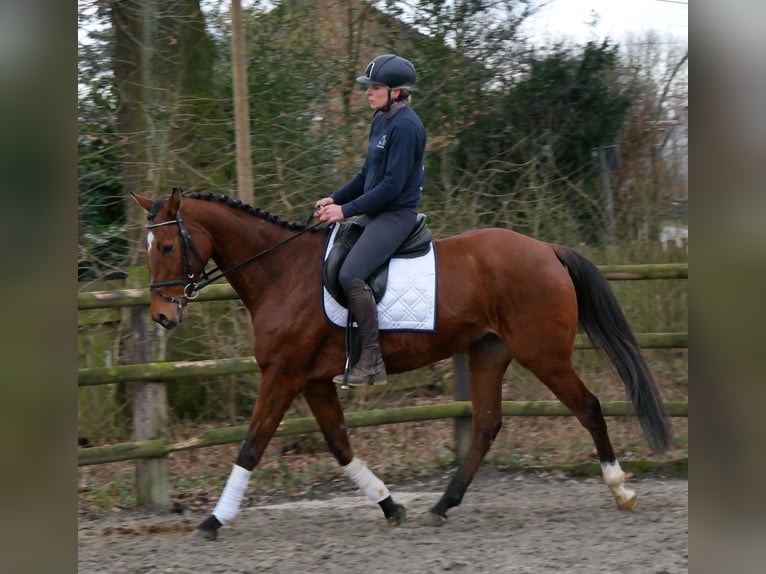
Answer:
(417, 244)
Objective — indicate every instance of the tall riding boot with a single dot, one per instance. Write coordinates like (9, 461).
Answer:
(369, 369)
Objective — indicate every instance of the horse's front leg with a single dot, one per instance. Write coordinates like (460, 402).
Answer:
(274, 398)
(322, 398)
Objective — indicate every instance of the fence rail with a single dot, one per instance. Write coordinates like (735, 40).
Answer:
(172, 371)
(453, 409)
(224, 292)
(150, 454)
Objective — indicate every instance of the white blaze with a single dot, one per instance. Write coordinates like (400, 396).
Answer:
(149, 241)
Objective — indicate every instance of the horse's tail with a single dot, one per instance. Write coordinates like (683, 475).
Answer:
(602, 319)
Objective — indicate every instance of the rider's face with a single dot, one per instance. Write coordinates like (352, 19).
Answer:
(378, 96)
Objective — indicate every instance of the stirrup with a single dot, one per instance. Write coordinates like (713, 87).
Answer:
(342, 379)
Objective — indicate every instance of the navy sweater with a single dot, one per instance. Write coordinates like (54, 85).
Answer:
(392, 175)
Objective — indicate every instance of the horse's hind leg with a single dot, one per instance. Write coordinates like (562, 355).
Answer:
(561, 378)
(488, 359)
(322, 398)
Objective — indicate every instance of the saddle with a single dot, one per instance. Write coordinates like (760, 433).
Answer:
(417, 244)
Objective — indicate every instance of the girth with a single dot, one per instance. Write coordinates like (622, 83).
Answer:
(417, 244)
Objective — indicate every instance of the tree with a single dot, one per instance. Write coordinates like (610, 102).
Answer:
(510, 128)
(101, 231)
(654, 139)
(538, 137)
(162, 60)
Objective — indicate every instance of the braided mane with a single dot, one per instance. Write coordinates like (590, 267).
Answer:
(241, 206)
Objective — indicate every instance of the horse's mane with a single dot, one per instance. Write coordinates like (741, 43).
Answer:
(239, 205)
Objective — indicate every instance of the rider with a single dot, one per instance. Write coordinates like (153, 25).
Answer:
(386, 194)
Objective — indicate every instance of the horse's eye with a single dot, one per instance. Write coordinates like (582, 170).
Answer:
(167, 249)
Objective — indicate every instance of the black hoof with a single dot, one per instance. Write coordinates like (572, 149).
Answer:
(397, 517)
(395, 513)
(209, 528)
(433, 519)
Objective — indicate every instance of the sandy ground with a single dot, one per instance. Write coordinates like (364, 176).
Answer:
(508, 522)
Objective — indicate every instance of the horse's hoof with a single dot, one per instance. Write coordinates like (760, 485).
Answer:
(430, 518)
(209, 528)
(207, 534)
(397, 517)
(628, 504)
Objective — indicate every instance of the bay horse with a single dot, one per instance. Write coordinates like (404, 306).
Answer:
(501, 296)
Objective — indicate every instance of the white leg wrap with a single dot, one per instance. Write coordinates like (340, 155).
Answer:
(614, 478)
(367, 482)
(228, 504)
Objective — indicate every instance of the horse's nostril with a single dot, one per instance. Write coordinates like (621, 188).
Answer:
(163, 320)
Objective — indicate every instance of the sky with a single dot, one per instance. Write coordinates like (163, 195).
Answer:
(568, 19)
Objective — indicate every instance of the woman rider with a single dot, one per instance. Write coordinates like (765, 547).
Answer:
(385, 194)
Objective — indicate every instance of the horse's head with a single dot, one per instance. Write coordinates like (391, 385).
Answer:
(176, 261)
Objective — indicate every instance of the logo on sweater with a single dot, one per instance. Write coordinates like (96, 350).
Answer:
(382, 142)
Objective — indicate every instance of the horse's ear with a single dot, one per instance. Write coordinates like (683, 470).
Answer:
(174, 202)
(144, 202)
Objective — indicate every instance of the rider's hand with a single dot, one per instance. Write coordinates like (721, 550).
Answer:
(330, 213)
(324, 201)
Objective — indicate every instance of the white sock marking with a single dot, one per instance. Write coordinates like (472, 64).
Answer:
(614, 477)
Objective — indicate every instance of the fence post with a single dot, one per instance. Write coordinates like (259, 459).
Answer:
(462, 392)
(150, 408)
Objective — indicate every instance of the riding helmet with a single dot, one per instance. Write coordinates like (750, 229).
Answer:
(389, 70)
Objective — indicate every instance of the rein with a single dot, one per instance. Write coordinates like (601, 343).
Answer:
(192, 288)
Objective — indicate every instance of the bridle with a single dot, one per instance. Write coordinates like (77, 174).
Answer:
(188, 248)
(191, 288)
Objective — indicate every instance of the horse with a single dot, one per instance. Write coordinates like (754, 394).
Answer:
(501, 295)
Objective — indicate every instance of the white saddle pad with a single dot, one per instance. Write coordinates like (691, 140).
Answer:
(409, 303)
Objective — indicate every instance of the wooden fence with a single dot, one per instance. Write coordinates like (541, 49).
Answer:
(150, 448)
